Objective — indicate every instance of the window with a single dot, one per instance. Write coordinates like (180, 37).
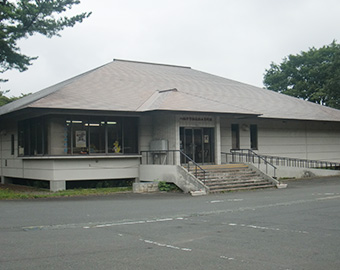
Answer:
(78, 135)
(101, 136)
(253, 137)
(235, 136)
(32, 137)
(130, 136)
(114, 136)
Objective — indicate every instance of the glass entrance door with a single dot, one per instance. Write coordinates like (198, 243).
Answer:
(198, 144)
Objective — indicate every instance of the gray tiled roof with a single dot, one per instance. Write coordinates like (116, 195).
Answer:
(140, 87)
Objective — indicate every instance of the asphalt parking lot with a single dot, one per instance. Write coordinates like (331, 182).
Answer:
(293, 228)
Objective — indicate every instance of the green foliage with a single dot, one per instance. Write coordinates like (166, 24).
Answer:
(4, 100)
(22, 18)
(313, 75)
(164, 186)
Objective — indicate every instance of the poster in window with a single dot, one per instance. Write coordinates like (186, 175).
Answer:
(206, 138)
(80, 138)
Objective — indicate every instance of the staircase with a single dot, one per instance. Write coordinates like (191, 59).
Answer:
(230, 177)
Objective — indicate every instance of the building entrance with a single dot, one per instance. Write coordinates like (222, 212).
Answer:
(198, 144)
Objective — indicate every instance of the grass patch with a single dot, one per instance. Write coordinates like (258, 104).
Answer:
(8, 194)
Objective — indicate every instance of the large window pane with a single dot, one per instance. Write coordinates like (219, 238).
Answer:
(80, 136)
(208, 140)
(130, 136)
(114, 136)
(32, 137)
(97, 136)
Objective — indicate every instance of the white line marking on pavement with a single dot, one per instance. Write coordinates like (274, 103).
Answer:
(229, 200)
(227, 258)
(266, 228)
(325, 194)
(217, 201)
(328, 198)
(129, 223)
(98, 225)
(164, 245)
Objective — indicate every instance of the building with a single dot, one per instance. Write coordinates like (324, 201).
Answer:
(101, 124)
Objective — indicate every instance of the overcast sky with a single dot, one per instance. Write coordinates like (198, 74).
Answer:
(236, 39)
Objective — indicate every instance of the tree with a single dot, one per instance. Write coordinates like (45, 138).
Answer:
(4, 100)
(22, 18)
(313, 75)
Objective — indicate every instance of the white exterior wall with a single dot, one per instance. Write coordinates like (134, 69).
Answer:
(300, 139)
(164, 128)
(161, 126)
(226, 143)
(226, 137)
(287, 138)
(80, 168)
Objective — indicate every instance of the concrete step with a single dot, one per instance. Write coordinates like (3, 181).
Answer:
(240, 188)
(231, 179)
(228, 177)
(224, 171)
(224, 166)
(250, 186)
(226, 182)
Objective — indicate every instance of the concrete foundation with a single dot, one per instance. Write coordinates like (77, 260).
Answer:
(145, 187)
(57, 185)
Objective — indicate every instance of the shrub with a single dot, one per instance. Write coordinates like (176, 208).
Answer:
(164, 186)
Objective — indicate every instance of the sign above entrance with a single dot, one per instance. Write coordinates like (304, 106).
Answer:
(196, 120)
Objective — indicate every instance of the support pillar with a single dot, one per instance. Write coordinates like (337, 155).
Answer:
(57, 185)
(217, 141)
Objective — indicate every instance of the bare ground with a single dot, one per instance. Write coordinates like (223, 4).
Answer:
(23, 189)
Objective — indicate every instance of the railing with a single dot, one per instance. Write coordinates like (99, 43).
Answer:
(249, 157)
(170, 157)
(302, 163)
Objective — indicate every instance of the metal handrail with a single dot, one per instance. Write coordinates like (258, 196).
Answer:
(197, 166)
(169, 159)
(250, 158)
(304, 163)
(295, 162)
